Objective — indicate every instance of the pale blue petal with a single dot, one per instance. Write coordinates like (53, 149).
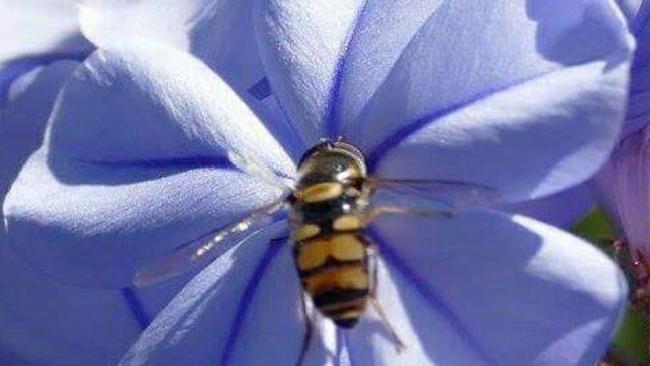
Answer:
(540, 107)
(80, 326)
(244, 309)
(134, 165)
(301, 45)
(563, 209)
(326, 76)
(383, 30)
(36, 33)
(525, 142)
(32, 27)
(430, 338)
(48, 323)
(484, 288)
(219, 32)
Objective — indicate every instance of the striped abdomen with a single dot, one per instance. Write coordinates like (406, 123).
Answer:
(330, 252)
(334, 272)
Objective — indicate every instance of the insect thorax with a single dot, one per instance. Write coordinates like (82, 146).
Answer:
(331, 179)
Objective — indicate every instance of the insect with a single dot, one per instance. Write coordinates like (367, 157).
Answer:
(330, 206)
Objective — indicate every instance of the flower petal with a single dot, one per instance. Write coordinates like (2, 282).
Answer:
(134, 165)
(528, 142)
(48, 323)
(219, 32)
(429, 338)
(615, 185)
(484, 288)
(540, 106)
(622, 189)
(37, 33)
(80, 326)
(326, 59)
(562, 209)
(242, 309)
(630, 8)
(638, 13)
(187, 108)
(301, 43)
(22, 123)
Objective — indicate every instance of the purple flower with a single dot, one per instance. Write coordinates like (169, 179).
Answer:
(520, 96)
(623, 183)
(624, 190)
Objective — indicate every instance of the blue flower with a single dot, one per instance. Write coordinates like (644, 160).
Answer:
(45, 322)
(89, 326)
(521, 96)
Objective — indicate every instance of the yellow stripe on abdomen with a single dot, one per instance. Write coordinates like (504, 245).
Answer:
(353, 277)
(341, 247)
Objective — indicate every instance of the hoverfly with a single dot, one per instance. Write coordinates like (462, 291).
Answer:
(330, 206)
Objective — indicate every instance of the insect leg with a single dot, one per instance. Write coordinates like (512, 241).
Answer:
(399, 345)
(372, 257)
(309, 331)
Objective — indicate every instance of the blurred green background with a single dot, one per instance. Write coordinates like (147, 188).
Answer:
(631, 346)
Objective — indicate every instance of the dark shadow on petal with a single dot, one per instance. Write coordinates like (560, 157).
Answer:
(14, 68)
(641, 30)
(261, 89)
(136, 307)
(23, 124)
(114, 173)
(588, 41)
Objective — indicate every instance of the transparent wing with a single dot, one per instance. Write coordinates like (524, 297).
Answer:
(253, 166)
(422, 196)
(201, 251)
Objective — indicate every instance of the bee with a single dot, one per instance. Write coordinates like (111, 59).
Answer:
(329, 209)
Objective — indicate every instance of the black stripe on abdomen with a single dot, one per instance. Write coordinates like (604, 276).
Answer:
(343, 306)
(338, 295)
